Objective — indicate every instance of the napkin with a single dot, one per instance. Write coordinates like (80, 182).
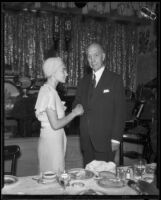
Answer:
(97, 166)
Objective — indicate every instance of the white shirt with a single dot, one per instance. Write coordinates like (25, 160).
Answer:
(98, 75)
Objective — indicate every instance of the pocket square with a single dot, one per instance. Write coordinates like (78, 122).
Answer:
(105, 91)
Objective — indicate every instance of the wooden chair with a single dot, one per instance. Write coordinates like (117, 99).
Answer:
(132, 136)
(138, 139)
(11, 152)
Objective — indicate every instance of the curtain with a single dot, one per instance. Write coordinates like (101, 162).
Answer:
(29, 37)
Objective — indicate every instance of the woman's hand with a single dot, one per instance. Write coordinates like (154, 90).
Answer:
(78, 110)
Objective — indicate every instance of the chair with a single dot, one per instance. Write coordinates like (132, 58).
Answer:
(11, 152)
(134, 135)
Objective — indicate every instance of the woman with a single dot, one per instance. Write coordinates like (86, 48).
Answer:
(50, 112)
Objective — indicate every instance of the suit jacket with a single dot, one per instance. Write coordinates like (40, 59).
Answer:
(104, 113)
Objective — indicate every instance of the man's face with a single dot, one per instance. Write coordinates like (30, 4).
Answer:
(95, 56)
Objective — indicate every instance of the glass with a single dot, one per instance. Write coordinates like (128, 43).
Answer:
(150, 172)
(121, 174)
(150, 168)
(139, 169)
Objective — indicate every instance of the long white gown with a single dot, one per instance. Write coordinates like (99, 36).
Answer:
(52, 143)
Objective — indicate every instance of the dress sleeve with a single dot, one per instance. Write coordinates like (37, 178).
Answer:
(46, 99)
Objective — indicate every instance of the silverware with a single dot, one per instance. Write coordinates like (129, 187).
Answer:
(38, 179)
(35, 178)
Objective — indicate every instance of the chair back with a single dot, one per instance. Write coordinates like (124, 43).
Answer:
(137, 131)
(11, 152)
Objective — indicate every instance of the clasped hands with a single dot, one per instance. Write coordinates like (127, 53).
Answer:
(78, 110)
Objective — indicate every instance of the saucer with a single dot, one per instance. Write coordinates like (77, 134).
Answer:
(48, 175)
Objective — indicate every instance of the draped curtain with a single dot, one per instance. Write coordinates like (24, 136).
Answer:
(29, 36)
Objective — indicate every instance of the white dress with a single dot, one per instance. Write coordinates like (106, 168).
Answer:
(52, 143)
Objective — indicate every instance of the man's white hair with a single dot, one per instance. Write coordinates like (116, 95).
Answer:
(51, 65)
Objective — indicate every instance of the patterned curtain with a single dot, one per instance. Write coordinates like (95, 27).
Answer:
(27, 36)
(30, 36)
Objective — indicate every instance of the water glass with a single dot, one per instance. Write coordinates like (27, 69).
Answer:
(139, 169)
(151, 168)
(121, 174)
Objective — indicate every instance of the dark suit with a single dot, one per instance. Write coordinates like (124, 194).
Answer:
(104, 112)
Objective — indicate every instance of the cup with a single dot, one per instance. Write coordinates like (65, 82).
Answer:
(139, 169)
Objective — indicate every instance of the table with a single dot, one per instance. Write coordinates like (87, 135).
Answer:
(29, 186)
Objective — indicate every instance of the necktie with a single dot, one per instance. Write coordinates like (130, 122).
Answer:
(94, 81)
(92, 86)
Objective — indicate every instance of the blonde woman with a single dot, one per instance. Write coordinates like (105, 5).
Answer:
(50, 112)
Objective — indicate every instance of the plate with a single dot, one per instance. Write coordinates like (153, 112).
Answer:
(110, 183)
(10, 180)
(106, 174)
(80, 174)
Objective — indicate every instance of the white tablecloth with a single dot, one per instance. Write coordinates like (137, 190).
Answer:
(28, 186)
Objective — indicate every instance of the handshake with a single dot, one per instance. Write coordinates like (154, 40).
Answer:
(78, 110)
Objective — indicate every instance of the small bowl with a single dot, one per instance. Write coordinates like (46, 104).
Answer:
(49, 175)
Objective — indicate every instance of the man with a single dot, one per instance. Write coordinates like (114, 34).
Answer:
(102, 123)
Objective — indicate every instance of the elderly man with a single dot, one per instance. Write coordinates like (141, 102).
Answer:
(102, 96)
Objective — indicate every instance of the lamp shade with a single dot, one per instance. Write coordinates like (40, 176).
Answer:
(25, 82)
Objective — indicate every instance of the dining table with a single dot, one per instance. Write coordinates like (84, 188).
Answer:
(31, 185)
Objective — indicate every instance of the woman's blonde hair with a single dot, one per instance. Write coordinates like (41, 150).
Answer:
(51, 65)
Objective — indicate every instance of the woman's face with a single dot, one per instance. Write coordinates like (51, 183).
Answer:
(61, 73)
